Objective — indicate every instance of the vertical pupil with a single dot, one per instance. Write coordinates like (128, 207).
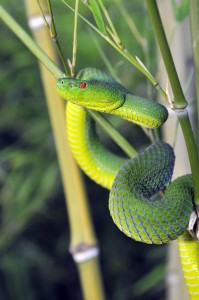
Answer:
(82, 85)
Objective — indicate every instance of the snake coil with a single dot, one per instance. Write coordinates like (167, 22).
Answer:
(142, 202)
(139, 204)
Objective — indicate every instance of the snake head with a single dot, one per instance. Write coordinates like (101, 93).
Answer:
(67, 88)
(94, 94)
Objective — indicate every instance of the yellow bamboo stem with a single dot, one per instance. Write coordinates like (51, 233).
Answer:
(83, 245)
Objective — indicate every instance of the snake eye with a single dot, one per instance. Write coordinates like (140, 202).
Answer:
(82, 85)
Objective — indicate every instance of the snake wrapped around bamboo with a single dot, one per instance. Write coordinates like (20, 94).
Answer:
(143, 202)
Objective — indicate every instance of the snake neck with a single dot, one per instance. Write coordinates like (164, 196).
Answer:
(142, 111)
(98, 162)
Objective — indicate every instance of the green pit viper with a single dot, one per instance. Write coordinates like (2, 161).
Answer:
(142, 202)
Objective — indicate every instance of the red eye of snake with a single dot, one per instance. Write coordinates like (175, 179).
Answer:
(82, 85)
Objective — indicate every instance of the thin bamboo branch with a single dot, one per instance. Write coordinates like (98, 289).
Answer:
(52, 29)
(113, 133)
(75, 39)
(194, 18)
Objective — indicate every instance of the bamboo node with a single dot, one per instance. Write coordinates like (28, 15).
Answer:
(180, 110)
(84, 252)
(35, 22)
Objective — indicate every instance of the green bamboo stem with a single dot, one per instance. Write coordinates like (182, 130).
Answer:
(179, 103)
(194, 18)
(179, 99)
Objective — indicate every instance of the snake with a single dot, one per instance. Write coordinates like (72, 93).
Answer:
(143, 202)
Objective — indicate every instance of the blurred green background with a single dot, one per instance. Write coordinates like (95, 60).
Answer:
(34, 232)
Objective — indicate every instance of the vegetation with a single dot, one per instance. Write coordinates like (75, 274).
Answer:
(34, 236)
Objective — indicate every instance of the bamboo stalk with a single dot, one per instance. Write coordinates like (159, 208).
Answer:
(83, 245)
(175, 283)
(179, 98)
(179, 106)
(194, 18)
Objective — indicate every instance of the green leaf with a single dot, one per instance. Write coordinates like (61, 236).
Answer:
(180, 10)
(98, 16)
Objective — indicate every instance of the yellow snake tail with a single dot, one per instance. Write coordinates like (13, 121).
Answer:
(189, 254)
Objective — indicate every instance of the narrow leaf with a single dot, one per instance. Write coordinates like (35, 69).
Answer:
(98, 16)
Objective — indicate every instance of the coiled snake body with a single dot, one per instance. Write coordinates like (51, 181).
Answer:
(136, 206)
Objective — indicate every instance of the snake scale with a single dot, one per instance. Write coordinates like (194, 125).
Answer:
(143, 203)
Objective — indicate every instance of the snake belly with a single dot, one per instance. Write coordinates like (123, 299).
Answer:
(135, 204)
